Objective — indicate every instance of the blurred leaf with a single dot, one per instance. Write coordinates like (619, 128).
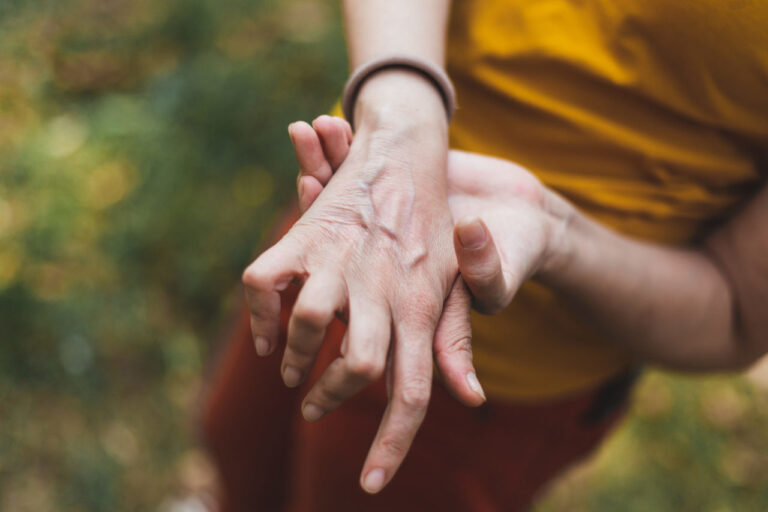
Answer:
(143, 154)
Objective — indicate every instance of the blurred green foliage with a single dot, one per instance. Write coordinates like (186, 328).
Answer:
(143, 150)
(143, 153)
(689, 445)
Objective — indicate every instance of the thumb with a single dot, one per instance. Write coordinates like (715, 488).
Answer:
(453, 348)
(480, 265)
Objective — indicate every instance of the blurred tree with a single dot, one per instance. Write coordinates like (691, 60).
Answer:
(143, 153)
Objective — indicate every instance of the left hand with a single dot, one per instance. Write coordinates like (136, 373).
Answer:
(320, 150)
(376, 245)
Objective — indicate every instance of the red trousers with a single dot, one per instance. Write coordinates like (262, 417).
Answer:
(493, 458)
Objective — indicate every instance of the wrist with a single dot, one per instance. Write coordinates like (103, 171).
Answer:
(565, 228)
(399, 98)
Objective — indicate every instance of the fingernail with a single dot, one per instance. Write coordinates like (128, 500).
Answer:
(474, 385)
(374, 481)
(312, 412)
(471, 234)
(262, 346)
(290, 130)
(291, 376)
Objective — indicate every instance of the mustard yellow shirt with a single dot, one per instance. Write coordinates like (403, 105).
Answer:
(651, 116)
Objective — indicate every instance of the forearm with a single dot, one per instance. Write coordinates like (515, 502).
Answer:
(376, 28)
(673, 306)
(394, 97)
(399, 153)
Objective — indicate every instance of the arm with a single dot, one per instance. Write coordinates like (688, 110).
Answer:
(373, 245)
(382, 27)
(398, 97)
(702, 308)
(697, 308)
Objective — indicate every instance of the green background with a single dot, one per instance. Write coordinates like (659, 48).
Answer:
(143, 152)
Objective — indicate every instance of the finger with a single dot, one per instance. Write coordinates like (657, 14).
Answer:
(480, 265)
(309, 152)
(348, 131)
(309, 190)
(268, 275)
(362, 361)
(411, 389)
(346, 128)
(453, 348)
(322, 295)
(335, 137)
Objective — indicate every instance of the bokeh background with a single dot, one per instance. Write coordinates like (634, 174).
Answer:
(143, 153)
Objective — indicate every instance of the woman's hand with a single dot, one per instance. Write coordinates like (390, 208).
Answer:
(318, 160)
(377, 246)
(688, 308)
(507, 221)
(509, 226)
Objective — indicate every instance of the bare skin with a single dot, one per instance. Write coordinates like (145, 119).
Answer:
(321, 148)
(377, 245)
(697, 309)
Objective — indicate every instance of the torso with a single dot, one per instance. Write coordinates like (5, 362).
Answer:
(651, 116)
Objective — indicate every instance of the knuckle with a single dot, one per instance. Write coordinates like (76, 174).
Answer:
(422, 300)
(454, 329)
(312, 315)
(329, 397)
(415, 393)
(365, 368)
(483, 272)
(299, 355)
(422, 309)
(459, 345)
(393, 446)
(256, 277)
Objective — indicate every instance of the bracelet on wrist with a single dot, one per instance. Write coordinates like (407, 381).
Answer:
(437, 76)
